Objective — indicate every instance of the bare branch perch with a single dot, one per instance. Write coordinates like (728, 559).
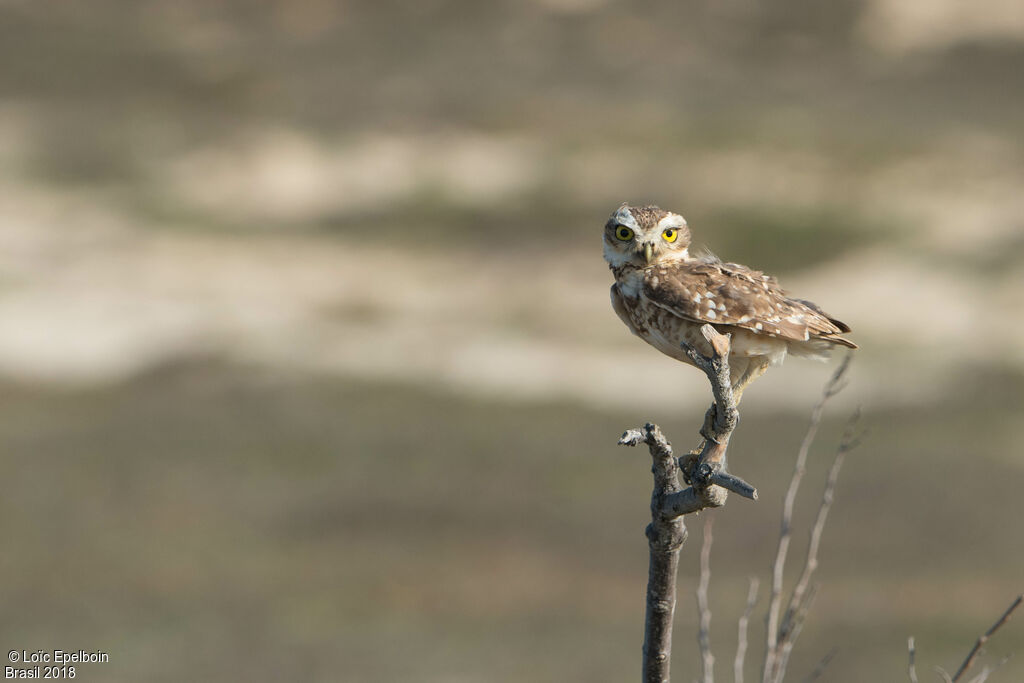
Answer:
(985, 636)
(665, 536)
(709, 481)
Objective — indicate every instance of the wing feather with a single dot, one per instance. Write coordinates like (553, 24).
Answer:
(620, 309)
(731, 294)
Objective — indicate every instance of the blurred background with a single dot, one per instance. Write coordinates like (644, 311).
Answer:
(309, 370)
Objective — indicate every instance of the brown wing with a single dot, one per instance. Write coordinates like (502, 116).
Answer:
(731, 294)
(620, 309)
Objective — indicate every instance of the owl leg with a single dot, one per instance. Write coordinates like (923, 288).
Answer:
(742, 371)
(755, 367)
(737, 368)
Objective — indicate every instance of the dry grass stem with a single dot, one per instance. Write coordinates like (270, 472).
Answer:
(982, 677)
(771, 672)
(911, 665)
(795, 609)
(787, 642)
(707, 659)
(741, 641)
(822, 665)
(983, 638)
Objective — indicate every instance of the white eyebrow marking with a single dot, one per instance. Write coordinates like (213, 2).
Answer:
(672, 220)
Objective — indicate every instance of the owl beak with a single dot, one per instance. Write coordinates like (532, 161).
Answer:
(648, 252)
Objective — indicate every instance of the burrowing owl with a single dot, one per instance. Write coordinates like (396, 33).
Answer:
(665, 295)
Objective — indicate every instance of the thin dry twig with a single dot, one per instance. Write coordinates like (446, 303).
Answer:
(986, 672)
(983, 638)
(707, 659)
(822, 665)
(911, 665)
(943, 674)
(741, 642)
(982, 677)
(770, 671)
(795, 608)
(786, 644)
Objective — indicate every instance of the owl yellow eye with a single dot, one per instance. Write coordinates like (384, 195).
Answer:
(670, 235)
(624, 233)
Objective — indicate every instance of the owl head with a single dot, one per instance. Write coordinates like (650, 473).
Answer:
(644, 235)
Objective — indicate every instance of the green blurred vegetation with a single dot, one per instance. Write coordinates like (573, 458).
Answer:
(255, 526)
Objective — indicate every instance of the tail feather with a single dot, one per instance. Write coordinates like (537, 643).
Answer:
(840, 325)
(843, 327)
(841, 341)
